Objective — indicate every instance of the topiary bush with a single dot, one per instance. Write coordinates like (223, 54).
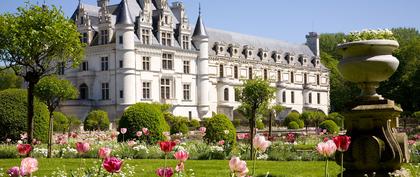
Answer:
(336, 117)
(293, 125)
(293, 116)
(194, 124)
(179, 125)
(330, 126)
(96, 120)
(61, 123)
(216, 127)
(143, 115)
(73, 123)
(13, 115)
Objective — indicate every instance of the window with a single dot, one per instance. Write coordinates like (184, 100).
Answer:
(104, 36)
(105, 91)
(185, 42)
(318, 98)
(121, 64)
(146, 63)
(85, 38)
(310, 98)
(83, 89)
(85, 66)
(221, 71)
(292, 77)
(278, 75)
(317, 79)
(235, 72)
(166, 38)
(250, 73)
(167, 61)
(284, 97)
(292, 97)
(60, 68)
(189, 115)
(82, 20)
(265, 74)
(186, 89)
(121, 93)
(121, 39)
(186, 67)
(104, 63)
(165, 88)
(226, 94)
(146, 90)
(145, 36)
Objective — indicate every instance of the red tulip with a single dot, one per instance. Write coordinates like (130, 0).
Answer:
(165, 172)
(342, 142)
(82, 147)
(167, 146)
(24, 149)
(112, 165)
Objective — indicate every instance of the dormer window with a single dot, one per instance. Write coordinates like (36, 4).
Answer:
(185, 42)
(85, 38)
(145, 36)
(104, 36)
(82, 20)
(220, 49)
(287, 58)
(166, 38)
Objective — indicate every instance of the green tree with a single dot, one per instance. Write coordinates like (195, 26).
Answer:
(8, 79)
(96, 120)
(52, 90)
(255, 95)
(34, 41)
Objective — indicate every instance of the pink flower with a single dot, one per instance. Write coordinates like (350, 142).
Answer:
(326, 148)
(179, 167)
(291, 138)
(145, 131)
(162, 172)
(260, 143)
(123, 130)
(13, 172)
(24, 149)
(112, 164)
(181, 155)
(23, 136)
(241, 136)
(221, 142)
(28, 166)
(82, 147)
(411, 142)
(131, 143)
(8, 140)
(202, 129)
(139, 133)
(104, 152)
(238, 167)
(342, 142)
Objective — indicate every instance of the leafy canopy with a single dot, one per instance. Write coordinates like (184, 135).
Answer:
(256, 93)
(52, 90)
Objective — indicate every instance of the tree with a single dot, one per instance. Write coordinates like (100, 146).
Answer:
(307, 118)
(255, 94)
(52, 90)
(8, 79)
(34, 42)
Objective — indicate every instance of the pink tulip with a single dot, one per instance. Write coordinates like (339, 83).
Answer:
(342, 142)
(145, 131)
(180, 167)
(104, 152)
(202, 129)
(112, 164)
(13, 172)
(162, 172)
(221, 142)
(131, 143)
(139, 133)
(411, 142)
(260, 144)
(326, 148)
(82, 147)
(28, 166)
(241, 136)
(238, 167)
(123, 130)
(24, 149)
(181, 155)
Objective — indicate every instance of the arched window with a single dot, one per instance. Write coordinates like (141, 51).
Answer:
(284, 97)
(226, 94)
(84, 92)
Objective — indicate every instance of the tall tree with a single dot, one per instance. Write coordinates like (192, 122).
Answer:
(34, 42)
(52, 90)
(254, 95)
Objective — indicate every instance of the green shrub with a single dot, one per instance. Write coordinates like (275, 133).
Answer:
(73, 123)
(417, 115)
(96, 120)
(330, 126)
(13, 115)
(336, 117)
(293, 116)
(194, 124)
(293, 125)
(143, 115)
(61, 123)
(216, 127)
(179, 125)
(259, 124)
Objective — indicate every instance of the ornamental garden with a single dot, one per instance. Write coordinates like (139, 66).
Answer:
(370, 135)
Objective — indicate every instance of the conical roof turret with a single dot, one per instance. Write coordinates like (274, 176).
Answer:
(200, 29)
(124, 16)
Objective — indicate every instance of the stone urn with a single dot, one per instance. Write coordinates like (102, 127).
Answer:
(371, 121)
(367, 63)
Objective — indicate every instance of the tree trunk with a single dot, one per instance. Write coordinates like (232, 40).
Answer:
(270, 124)
(252, 127)
(50, 132)
(30, 119)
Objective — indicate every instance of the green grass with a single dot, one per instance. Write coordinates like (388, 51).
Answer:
(202, 168)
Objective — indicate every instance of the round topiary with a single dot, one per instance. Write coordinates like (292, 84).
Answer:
(179, 125)
(96, 120)
(143, 115)
(13, 116)
(194, 124)
(219, 127)
(336, 117)
(293, 125)
(293, 116)
(330, 126)
(61, 123)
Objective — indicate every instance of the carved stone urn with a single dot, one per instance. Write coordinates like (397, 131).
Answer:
(376, 146)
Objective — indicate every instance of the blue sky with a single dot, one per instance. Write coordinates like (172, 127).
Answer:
(281, 19)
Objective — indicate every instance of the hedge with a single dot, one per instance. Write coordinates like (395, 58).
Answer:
(96, 120)
(330, 126)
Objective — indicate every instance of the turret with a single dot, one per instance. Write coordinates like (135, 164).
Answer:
(201, 42)
(312, 41)
(124, 29)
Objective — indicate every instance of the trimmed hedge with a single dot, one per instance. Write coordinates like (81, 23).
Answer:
(330, 126)
(293, 116)
(96, 120)
(179, 125)
(61, 123)
(293, 125)
(13, 115)
(216, 127)
(336, 117)
(143, 115)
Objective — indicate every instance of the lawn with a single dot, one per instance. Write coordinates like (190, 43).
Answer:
(202, 168)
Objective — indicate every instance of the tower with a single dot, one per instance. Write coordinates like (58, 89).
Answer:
(124, 29)
(312, 41)
(201, 42)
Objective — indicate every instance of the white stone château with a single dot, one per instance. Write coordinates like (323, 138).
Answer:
(146, 51)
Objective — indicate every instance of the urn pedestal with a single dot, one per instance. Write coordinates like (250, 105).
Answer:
(371, 121)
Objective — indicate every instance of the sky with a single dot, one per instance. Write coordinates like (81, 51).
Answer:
(280, 19)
